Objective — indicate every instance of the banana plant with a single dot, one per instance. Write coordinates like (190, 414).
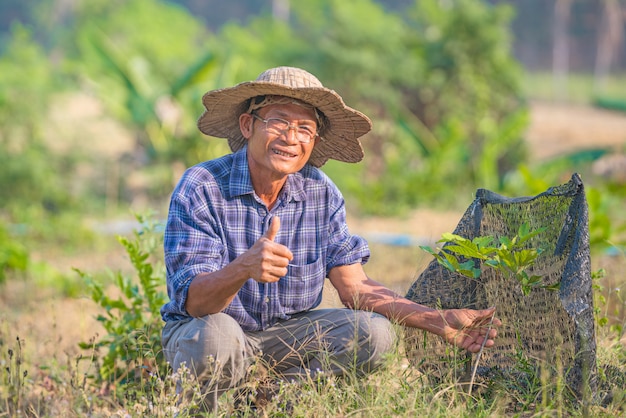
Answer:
(150, 98)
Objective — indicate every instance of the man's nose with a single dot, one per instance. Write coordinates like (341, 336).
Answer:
(292, 137)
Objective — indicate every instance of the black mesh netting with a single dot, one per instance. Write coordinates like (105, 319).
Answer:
(553, 329)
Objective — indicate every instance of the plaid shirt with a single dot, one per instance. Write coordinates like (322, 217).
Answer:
(215, 216)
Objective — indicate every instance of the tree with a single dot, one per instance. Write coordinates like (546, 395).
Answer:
(610, 40)
(560, 47)
(28, 174)
(439, 82)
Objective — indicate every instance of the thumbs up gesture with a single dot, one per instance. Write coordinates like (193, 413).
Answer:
(272, 231)
(267, 260)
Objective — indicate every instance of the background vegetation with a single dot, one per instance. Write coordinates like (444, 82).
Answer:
(98, 103)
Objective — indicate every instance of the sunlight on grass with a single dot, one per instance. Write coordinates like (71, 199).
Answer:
(398, 389)
(44, 374)
(579, 88)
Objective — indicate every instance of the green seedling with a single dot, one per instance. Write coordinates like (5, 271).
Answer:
(511, 256)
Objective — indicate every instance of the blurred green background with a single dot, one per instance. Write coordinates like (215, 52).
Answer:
(98, 107)
(99, 99)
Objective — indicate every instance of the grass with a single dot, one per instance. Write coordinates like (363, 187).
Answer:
(576, 88)
(44, 374)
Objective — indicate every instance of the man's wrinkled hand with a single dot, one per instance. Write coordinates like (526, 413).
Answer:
(267, 260)
(470, 329)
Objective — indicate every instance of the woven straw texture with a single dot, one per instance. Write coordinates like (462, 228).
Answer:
(343, 128)
(551, 329)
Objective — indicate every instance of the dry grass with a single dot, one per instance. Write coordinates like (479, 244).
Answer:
(49, 328)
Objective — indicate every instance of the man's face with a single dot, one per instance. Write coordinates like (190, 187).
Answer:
(276, 154)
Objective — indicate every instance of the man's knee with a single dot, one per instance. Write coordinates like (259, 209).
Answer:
(215, 340)
(370, 337)
(382, 334)
(220, 336)
(382, 337)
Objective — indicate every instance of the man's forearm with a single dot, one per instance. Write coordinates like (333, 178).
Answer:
(211, 293)
(403, 311)
(466, 328)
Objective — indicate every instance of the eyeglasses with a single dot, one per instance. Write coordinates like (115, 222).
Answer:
(277, 126)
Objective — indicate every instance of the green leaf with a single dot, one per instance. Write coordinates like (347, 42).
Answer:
(450, 237)
(523, 229)
(525, 258)
(465, 248)
(525, 235)
(483, 242)
(428, 249)
(468, 269)
(450, 262)
(492, 263)
(511, 258)
(553, 287)
(506, 242)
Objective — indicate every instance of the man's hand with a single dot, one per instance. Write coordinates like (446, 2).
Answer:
(468, 329)
(267, 261)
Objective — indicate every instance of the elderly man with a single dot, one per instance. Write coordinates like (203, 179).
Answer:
(252, 236)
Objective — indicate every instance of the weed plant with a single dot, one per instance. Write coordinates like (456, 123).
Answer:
(130, 354)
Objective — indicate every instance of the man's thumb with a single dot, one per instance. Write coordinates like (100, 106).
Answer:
(273, 229)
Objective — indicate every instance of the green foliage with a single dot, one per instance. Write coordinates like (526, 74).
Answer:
(13, 255)
(607, 220)
(511, 256)
(28, 175)
(609, 305)
(599, 299)
(416, 74)
(30, 179)
(607, 224)
(132, 321)
(463, 60)
(25, 86)
(152, 79)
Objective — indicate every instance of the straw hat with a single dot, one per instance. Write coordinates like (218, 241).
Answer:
(342, 125)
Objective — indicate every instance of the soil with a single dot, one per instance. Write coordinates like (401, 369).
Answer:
(557, 128)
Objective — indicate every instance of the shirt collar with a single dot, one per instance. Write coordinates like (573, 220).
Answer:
(240, 182)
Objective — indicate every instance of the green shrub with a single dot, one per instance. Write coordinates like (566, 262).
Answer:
(131, 352)
(13, 255)
(417, 73)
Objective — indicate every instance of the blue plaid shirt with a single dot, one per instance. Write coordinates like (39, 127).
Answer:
(215, 216)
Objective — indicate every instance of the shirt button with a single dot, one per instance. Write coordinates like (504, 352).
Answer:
(267, 299)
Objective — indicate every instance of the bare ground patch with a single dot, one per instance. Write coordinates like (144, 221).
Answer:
(561, 128)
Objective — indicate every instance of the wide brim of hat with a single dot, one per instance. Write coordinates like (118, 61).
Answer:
(340, 139)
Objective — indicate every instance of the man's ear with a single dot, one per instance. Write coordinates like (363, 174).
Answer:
(245, 124)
